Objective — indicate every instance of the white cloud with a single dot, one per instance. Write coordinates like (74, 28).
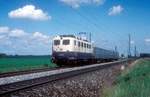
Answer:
(132, 42)
(78, 3)
(2, 37)
(4, 29)
(29, 12)
(17, 33)
(147, 40)
(17, 41)
(115, 10)
(41, 37)
(22, 42)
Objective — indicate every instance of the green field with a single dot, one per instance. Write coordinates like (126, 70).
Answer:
(17, 63)
(133, 83)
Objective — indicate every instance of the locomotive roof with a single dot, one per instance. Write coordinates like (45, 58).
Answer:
(68, 36)
(73, 36)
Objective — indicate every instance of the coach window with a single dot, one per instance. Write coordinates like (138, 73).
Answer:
(66, 42)
(78, 44)
(56, 42)
(74, 42)
(87, 45)
(84, 45)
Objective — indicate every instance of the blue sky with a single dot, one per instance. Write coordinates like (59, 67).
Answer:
(27, 26)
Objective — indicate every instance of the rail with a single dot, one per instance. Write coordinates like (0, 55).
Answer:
(7, 74)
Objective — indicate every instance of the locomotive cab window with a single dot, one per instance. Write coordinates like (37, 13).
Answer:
(66, 42)
(56, 42)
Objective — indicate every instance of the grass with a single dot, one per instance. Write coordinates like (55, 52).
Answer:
(9, 64)
(133, 83)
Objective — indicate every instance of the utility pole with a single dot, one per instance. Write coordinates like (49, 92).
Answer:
(129, 48)
(82, 33)
(116, 49)
(135, 52)
(86, 35)
(90, 36)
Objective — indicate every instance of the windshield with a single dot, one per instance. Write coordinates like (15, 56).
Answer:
(56, 42)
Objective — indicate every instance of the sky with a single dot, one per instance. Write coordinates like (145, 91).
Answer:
(28, 26)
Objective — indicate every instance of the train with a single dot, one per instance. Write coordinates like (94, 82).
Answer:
(71, 50)
(145, 55)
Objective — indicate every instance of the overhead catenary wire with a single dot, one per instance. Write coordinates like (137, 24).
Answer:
(97, 26)
(89, 20)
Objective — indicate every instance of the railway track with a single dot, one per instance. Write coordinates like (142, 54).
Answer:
(53, 75)
(7, 74)
(25, 72)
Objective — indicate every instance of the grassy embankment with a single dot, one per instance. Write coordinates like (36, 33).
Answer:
(9, 64)
(135, 82)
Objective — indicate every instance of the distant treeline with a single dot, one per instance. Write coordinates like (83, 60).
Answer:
(2, 55)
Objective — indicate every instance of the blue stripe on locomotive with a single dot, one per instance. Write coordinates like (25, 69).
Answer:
(72, 56)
